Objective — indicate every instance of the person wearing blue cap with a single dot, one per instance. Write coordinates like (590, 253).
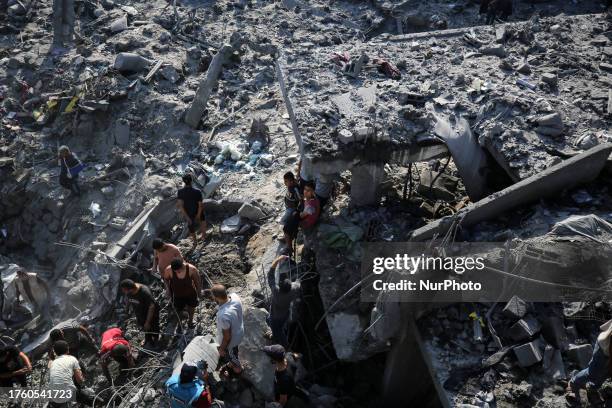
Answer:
(189, 388)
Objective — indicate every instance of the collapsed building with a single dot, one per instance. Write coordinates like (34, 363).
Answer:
(426, 123)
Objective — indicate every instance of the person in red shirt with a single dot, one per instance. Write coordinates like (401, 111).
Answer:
(115, 346)
(310, 215)
(312, 209)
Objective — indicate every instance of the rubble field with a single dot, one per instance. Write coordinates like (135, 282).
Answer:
(422, 120)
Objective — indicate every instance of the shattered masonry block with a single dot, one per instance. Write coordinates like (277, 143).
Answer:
(528, 354)
(497, 50)
(524, 329)
(251, 212)
(550, 79)
(580, 354)
(515, 308)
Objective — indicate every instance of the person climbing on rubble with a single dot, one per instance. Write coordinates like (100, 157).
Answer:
(65, 373)
(14, 367)
(191, 206)
(163, 254)
(70, 167)
(286, 392)
(34, 291)
(230, 329)
(598, 370)
(190, 388)
(281, 304)
(310, 215)
(145, 308)
(183, 287)
(77, 337)
(501, 9)
(293, 204)
(115, 347)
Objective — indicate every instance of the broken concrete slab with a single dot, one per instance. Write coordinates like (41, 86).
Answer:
(580, 354)
(346, 331)
(251, 353)
(251, 212)
(579, 169)
(528, 354)
(156, 217)
(550, 79)
(130, 62)
(198, 106)
(200, 348)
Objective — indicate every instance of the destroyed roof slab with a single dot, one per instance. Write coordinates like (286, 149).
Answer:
(509, 81)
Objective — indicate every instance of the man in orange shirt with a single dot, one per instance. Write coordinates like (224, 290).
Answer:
(163, 254)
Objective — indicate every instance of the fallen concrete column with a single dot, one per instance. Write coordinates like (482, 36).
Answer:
(468, 156)
(288, 105)
(198, 106)
(580, 169)
(366, 183)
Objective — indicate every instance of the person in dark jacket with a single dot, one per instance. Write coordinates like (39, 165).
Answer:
(68, 160)
(496, 9)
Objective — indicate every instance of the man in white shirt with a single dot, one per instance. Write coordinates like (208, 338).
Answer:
(64, 374)
(230, 326)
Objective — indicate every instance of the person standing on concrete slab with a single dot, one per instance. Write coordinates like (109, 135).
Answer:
(192, 208)
(63, 23)
(34, 291)
(596, 373)
(65, 373)
(145, 308)
(293, 204)
(183, 287)
(114, 346)
(280, 309)
(189, 388)
(163, 254)
(70, 167)
(14, 367)
(230, 328)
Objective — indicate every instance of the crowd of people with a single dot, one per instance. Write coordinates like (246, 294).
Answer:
(184, 290)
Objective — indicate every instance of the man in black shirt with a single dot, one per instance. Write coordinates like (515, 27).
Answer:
(192, 208)
(14, 366)
(75, 335)
(293, 201)
(145, 308)
(285, 391)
